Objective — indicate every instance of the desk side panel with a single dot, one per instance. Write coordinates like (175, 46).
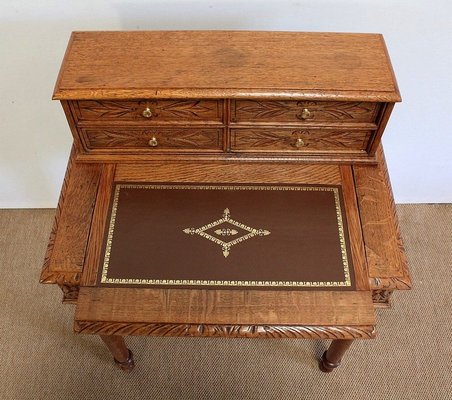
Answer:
(65, 255)
(388, 268)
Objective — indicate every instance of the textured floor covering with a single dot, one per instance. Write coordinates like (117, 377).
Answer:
(40, 358)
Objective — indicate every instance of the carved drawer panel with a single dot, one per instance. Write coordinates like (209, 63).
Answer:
(149, 110)
(299, 140)
(302, 111)
(153, 139)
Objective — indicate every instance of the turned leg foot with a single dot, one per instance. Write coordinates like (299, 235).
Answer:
(121, 354)
(332, 357)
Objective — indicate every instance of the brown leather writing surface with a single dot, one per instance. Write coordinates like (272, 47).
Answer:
(227, 236)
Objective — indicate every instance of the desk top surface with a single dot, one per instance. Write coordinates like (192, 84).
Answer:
(183, 64)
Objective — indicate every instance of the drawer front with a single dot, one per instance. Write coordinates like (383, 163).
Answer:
(299, 140)
(303, 111)
(149, 110)
(154, 139)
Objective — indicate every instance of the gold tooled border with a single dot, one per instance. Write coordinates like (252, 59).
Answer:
(199, 282)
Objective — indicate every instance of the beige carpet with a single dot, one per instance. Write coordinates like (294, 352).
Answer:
(40, 358)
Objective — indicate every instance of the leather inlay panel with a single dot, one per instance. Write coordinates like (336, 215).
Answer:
(227, 235)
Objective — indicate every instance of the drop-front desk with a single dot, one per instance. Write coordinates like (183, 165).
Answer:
(226, 184)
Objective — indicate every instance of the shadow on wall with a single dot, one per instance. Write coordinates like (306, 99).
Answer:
(200, 15)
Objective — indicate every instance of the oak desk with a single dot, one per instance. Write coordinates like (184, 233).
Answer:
(268, 111)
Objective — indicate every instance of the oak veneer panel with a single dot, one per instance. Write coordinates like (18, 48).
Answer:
(289, 112)
(98, 225)
(333, 140)
(253, 307)
(188, 110)
(354, 227)
(233, 158)
(171, 171)
(119, 138)
(203, 64)
(386, 257)
(73, 219)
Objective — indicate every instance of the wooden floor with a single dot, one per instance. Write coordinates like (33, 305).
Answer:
(41, 358)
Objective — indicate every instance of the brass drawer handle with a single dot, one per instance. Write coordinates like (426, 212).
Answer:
(147, 113)
(153, 142)
(305, 113)
(299, 143)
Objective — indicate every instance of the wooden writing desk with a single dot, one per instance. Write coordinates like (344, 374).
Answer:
(286, 113)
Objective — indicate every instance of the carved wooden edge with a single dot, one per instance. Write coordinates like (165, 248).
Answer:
(97, 156)
(69, 283)
(48, 276)
(237, 331)
(382, 298)
(208, 93)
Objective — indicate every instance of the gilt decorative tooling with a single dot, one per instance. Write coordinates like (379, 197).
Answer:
(226, 219)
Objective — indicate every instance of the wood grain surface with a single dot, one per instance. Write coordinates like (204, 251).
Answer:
(69, 236)
(354, 227)
(388, 268)
(98, 225)
(206, 64)
(172, 171)
(225, 307)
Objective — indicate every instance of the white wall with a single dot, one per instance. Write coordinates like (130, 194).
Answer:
(35, 139)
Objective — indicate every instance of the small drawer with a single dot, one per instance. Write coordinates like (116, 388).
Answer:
(299, 140)
(302, 111)
(141, 111)
(153, 139)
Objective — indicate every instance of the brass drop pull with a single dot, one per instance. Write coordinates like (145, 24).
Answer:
(305, 113)
(147, 113)
(153, 142)
(299, 143)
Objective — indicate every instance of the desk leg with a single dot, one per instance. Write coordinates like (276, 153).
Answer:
(332, 357)
(121, 354)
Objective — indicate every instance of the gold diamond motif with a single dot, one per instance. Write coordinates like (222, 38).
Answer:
(226, 246)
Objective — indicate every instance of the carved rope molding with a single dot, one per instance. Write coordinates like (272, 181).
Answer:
(245, 331)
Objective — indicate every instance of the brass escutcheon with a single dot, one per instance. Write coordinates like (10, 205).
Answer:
(147, 113)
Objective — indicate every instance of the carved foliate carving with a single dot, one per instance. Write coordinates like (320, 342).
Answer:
(381, 297)
(61, 278)
(299, 111)
(278, 139)
(159, 109)
(249, 331)
(165, 138)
